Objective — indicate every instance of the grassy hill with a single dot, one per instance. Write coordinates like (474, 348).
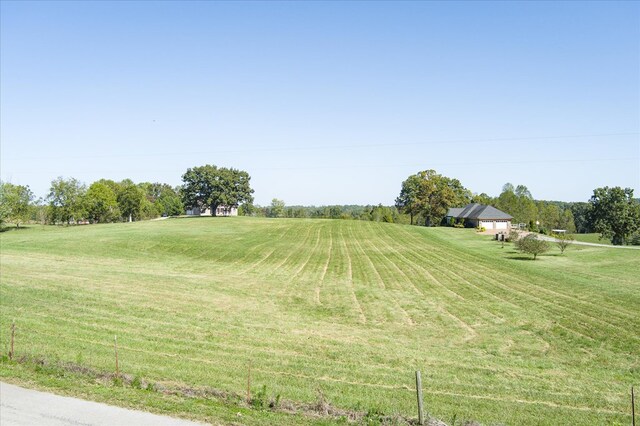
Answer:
(591, 238)
(337, 311)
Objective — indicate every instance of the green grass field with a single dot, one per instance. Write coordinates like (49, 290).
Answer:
(591, 238)
(347, 308)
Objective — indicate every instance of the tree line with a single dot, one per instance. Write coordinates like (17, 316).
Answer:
(70, 201)
(613, 212)
(104, 201)
(375, 213)
(424, 199)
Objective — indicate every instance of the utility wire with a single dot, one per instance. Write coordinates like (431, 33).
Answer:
(423, 165)
(553, 139)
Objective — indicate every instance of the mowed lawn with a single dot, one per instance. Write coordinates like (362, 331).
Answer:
(591, 238)
(346, 308)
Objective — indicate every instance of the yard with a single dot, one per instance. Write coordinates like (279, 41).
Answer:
(328, 312)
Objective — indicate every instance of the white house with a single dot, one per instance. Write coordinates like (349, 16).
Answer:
(479, 215)
(220, 211)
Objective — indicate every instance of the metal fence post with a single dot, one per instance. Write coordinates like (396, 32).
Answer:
(419, 394)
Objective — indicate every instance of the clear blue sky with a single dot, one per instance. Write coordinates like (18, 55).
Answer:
(320, 102)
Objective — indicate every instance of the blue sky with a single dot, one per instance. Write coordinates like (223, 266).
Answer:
(324, 102)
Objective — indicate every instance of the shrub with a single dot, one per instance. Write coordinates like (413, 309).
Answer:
(532, 245)
(635, 239)
(514, 235)
(563, 241)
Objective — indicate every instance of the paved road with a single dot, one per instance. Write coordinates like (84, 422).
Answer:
(582, 243)
(25, 407)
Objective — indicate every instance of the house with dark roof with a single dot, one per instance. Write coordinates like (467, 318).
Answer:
(479, 215)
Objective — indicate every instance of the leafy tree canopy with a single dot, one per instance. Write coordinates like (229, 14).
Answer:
(430, 194)
(614, 213)
(161, 199)
(113, 185)
(482, 199)
(15, 203)
(66, 200)
(582, 217)
(531, 244)
(211, 186)
(408, 201)
(130, 201)
(518, 202)
(276, 209)
(101, 203)
(4, 206)
(170, 204)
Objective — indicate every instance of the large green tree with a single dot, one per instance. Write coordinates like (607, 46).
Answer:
(130, 201)
(211, 186)
(276, 209)
(116, 187)
(430, 194)
(165, 200)
(15, 201)
(518, 202)
(382, 213)
(614, 213)
(582, 217)
(482, 199)
(408, 200)
(566, 221)
(101, 203)
(66, 200)
(548, 215)
(169, 202)
(507, 201)
(4, 207)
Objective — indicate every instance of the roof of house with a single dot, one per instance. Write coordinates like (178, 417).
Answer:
(478, 211)
(455, 211)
